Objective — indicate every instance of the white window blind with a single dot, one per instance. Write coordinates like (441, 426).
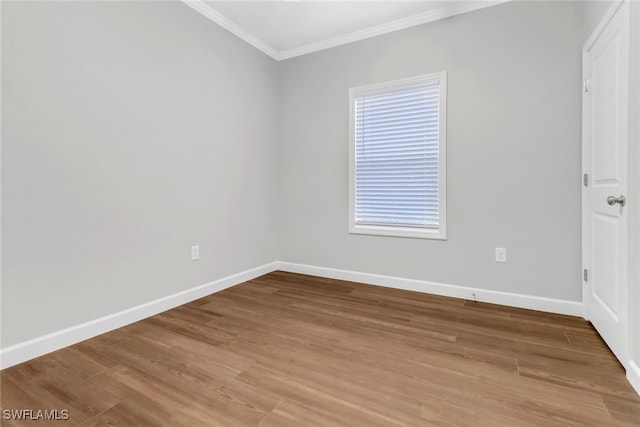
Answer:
(397, 149)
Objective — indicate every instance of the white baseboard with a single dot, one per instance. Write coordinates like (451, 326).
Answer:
(33, 348)
(633, 375)
(531, 302)
(39, 346)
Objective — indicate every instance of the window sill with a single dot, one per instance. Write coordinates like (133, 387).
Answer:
(415, 233)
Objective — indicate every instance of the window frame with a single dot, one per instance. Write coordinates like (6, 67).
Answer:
(439, 233)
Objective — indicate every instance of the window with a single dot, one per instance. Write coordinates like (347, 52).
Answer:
(398, 158)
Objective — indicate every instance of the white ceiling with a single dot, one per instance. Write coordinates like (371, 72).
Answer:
(284, 29)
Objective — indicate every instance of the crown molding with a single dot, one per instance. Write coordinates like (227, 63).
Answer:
(227, 24)
(389, 27)
(399, 24)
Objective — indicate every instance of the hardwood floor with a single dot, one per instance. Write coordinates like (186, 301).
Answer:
(293, 350)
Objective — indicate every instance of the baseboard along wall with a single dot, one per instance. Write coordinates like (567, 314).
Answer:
(571, 308)
(39, 346)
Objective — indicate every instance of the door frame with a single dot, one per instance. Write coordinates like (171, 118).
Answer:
(633, 341)
(631, 360)
(587, 264)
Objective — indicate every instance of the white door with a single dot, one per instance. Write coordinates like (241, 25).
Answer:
(604, 162)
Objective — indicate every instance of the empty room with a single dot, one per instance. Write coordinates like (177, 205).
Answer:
(320, 213)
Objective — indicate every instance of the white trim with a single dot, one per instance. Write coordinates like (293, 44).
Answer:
(232, 27)
(603, 23)
(399, 24)
(571, 308)
(33, 348)
(389, 230)
(633, 375)
(389, 27)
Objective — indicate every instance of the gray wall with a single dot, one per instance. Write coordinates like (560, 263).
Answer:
(133, 130)
(513, 150)
(130, 131)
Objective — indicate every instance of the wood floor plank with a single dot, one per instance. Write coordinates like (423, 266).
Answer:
(293, 414)
(59, 389)
(124, 414)
(353, 379)
(82, 361)
(295, 350)
(326, 394)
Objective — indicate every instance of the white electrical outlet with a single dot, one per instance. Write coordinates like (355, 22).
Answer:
(501, 254)
(195, 252)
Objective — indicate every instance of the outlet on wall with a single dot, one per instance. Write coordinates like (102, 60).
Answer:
(195, 252)
(501, 254)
